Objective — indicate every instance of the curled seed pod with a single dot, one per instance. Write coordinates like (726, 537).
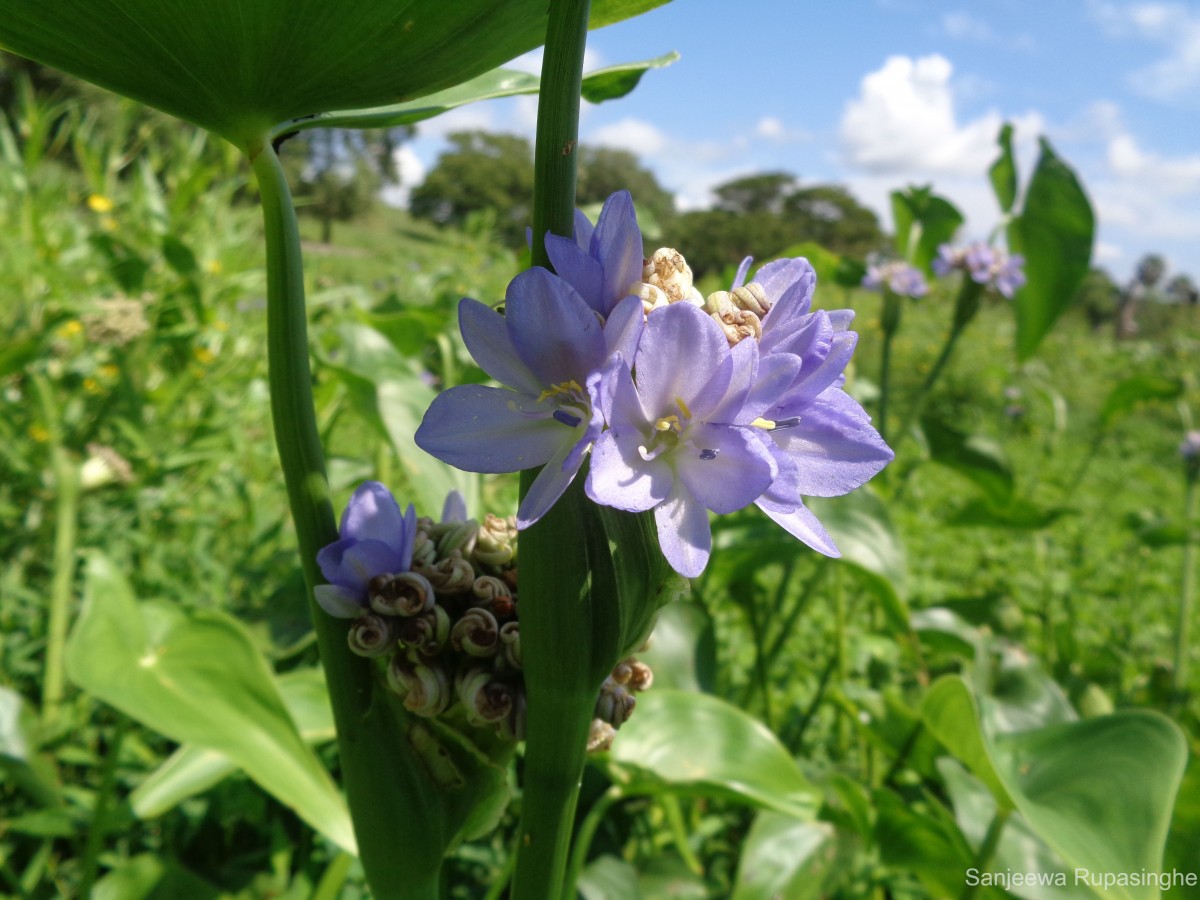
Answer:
(615, 704)
(476, 633)
(424, 685)
(424, 546)
(623, 671)
(738, 324)
(400, 594)
(489, 587)
(510, 646)
(426, 633)
(669, 271)
(496, 541)
(719, 303)
(652, 296)
(371, 635)
(751, 297)
(486, 700)
(453, 575)
(641, 677)
(600, 736)
(457, 537)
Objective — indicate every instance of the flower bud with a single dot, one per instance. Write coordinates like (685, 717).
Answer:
(652, 297)
(669, 272)
(371, 635)
(486, 700)
(424, 685)
(737, 323)
(424, 546)
(512, 726)
(615, 704)
(401, 594)
(476, 634)
(453, 575)
(600, 736)
(456, 536)
(426, 633)
(751, 297)
(510, 646)
(104, 466)
(496, 542)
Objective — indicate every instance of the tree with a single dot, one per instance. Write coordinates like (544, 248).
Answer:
(1182, 290)
(481, 171)
(756, 195)
(830, 216)
(1149, 270)
(1098, 297)
(604, 170)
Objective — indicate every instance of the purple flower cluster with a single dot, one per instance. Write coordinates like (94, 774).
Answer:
(687, 407)
(898, 277)
(986, 265)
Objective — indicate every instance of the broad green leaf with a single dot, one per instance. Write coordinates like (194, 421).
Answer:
(1054, 233)
(863, 531)
(191, 770)
(608, 878)
(669, 878)
(389, 391)
(198, 678)
(924, 221)
(1135, 390)
(239, 68)
(681, 742)
(1003, 173)
(1098, 792)
(784, 859)
(682, 649)
(980, 459)
(1014, 513)
(609, 83)
(916, 840)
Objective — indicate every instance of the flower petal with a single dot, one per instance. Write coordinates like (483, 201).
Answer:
(351, 564)
(801, 523)
(373, 514)
(623, 330)
(487, 429)
(487, 339)
(683, 533)
(815, 381)
(788, 283)
(583, 230)
(554, 331)
(619, 477)
(338, 601)
(455, 508)
(683, 354)
(740, 278)
(574, 266)
(724, 467)
(549, 485)
(617, 243)
(834, 446)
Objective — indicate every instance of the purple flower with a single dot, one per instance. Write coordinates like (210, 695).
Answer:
(374, 538)
(679, 441)
(986, 265)
(898, 277)
(604, 262)
(1190, 448)
(545, 348)
(1009, 275)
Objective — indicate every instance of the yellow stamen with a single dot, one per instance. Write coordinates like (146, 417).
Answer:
(565, 387)
(667, 423)
(683, 407)
(766, 424)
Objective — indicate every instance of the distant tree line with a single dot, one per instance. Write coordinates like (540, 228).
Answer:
(760, 215)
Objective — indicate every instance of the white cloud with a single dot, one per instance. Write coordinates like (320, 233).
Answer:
(903, 122)
(1160, 175)
(1106, 253)
(411, 172)
(1173, 26)
(636, 135)
(769, 127)
(965, 27)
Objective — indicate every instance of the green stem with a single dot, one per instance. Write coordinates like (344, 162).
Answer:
(1187, 594)
(366, 735)
(987, 850)
(66, 477)
(587, 832)
(558, 718)
(889, 321)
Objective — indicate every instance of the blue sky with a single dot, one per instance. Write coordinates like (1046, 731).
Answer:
(876, 94)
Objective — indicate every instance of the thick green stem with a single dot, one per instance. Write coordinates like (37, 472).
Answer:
(366, 736)
(66, 478)
(1187, 594)
(889, 321)
(559, 713)
(987, 850)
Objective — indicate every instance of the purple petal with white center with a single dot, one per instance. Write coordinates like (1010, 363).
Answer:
(724, 467)
(623, 330)
(682, 354)
(373, 514)
(617, 243)
(574, 266)
(546, 488)
(801, 523)
(487, 429)
(621, 478)
(351, 564)
(740, 278)
(486, 336)
(683, 533)
(340, 602)
(834, 446)
(744, 372)
(554, 331)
